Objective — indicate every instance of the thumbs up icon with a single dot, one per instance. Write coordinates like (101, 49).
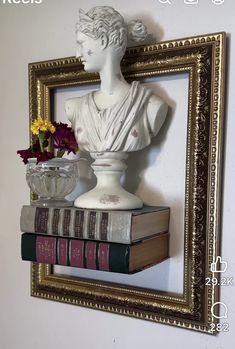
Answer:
(219, 266)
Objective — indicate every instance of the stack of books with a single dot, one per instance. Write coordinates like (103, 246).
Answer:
(114, 241)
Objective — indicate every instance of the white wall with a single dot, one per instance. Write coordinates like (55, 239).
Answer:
(31, 33)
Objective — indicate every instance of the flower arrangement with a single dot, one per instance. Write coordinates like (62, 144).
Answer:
(53, 139)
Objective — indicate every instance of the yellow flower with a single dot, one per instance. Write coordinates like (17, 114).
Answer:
(42, 125)
(51, 128)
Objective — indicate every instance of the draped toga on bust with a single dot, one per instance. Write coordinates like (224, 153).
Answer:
(125, 126)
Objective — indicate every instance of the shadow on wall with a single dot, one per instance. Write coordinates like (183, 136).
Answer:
(141, 160)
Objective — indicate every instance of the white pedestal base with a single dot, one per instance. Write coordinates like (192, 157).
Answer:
(108, 193)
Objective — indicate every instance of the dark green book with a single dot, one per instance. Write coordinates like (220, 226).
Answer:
(96, 255)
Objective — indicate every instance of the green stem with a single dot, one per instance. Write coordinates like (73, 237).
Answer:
(41, 138)
(60, 153)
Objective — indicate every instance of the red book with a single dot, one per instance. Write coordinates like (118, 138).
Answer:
(46, 249)
(62, 251)
(104, 257)
(91, 255)
(77, 253)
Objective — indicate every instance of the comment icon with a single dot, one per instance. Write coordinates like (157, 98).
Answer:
(223, 310)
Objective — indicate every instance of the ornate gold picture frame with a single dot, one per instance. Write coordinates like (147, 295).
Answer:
(203, 58)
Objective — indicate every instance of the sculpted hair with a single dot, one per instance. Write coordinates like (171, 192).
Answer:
(104, 20)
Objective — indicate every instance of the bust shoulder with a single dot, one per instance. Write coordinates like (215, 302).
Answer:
(156, 113)
(71, 104)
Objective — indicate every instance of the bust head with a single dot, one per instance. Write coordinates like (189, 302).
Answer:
(100, 31)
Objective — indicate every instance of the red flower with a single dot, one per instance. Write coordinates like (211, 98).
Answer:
(45, 156)
(26, 154)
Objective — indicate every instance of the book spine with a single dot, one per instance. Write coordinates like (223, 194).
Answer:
(61, 251)
(66, 222)
(104, 226)
(78, 223)
(41, 220)
(91, 253)
(55, 219)
(92, 225)
(75, 253)
(75, 223)
(46, 250)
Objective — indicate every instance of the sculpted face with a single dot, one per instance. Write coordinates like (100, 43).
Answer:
(91, 51)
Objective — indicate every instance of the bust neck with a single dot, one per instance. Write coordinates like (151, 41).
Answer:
(113, 87)
(111, 76)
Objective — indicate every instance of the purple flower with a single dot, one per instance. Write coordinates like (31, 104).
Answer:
(63, 138)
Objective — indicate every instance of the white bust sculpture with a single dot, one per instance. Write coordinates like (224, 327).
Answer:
(118, 118)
